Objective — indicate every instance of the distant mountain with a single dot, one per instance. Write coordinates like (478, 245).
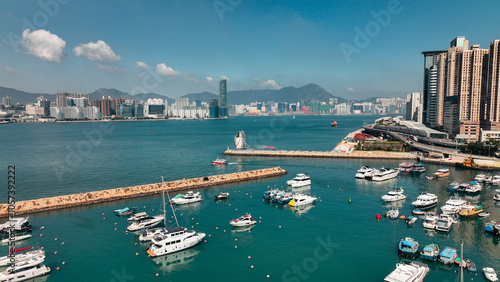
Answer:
(21, 97)
(114, 93)
(204, 96)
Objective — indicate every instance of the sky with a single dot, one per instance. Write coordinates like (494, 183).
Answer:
(354, 49)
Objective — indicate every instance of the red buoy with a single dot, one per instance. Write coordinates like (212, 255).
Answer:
(378, 217)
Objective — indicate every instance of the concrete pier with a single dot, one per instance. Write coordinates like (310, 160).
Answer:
(325, 154)
(88, 198)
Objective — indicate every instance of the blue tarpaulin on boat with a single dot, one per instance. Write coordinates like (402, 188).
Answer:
(448, 253)
(408, 243)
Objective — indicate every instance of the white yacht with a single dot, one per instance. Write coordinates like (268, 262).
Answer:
(393, 213)
(300, 180)
(362, 171)
(137, 216)
(175, 240)
(444, 223)
(488, 179)
(22, 274)
(480, 177)
(453, 205)
(385, 174)
(5, 260)
(244, 220)
(395, 194)
(430, 220)
(20, 224)
(425, 200)
(301, 199)
(369, 174)
(408, 271)
(189, 197)
(147, 222)
(472, 188)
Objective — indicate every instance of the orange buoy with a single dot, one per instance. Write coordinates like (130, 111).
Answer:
(402, 217)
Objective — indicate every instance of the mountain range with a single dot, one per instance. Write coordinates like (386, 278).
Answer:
(310, 92)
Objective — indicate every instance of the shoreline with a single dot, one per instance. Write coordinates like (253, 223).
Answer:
(88, 198)
(324, 154)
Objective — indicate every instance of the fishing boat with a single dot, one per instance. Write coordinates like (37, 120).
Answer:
(490, 274)
(470, 210)
(244, 220)
(418, 168)
(299, 180)
(430, 252)
(430, 220)
(222, 196)
(220, 161)
(385, 174)
(453, 205)
(442, 172)
(138, 216)
(396, 194)
(405, 168)
(408, 247)
(6, 260)
(125, 211)
(448, 255)
(444, 223)
(425, 201)
(301, 200)
(392, 214)
(408, 271)
(480, 177)
(16, 224)
(188, 198)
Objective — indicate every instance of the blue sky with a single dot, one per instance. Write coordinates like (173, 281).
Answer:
(173, 47)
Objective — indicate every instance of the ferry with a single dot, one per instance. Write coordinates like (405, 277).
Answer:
(385, 174)
(442, 172)
(405, 168)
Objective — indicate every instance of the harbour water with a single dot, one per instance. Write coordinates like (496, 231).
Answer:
(333, 240)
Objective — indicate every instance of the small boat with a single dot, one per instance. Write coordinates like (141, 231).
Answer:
(244, 220)
(430, 220)
(470, 210)
(188, 198)
(471, 188)
(408, 247)
(395, 194)
(283, 198)
(222, 196)
(444, 223)
(220, 162)
(425, 201)
(299, 180)
(497, 195)
(418, 168)
(125, 211)
(392, 214)
(17, 237)
(301, 200)
(490, 274)
(430, 252)
(410, 220)
(453, 186)
(6, 260)
(417, 212)
(138, 216)
(269, 194)
(488, 179)
(18, 224)
(405, 168)
(384, 174)
(480, 177)
(334, 124)
(493, 228)
(408, 271)
(484, 214)
(147, 222)
(453, 205)
(471, 266)
(442, 172)
(448, 255)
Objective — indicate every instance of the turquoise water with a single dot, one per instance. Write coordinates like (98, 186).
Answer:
(333, 240)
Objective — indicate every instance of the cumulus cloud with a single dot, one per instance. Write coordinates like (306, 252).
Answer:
(166, 70)
(225, 77)
(140, 64)
(267, 84)
(96, 52)
(44, 45)
(350, 89)
(9, 69)
(210, 80)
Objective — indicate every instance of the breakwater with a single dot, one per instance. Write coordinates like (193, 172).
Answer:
(324, 154)
(66, 201)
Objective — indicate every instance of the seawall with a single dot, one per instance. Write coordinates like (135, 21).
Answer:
(66, 201)
(324, 154)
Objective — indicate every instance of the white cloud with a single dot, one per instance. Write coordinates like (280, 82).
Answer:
(9, 69)
(210, 80)
(350, 89)
(109, 68)
(44, 45)
(225, 77)
(140, 64)
(96, 52)
(268, 84)
(166, 70)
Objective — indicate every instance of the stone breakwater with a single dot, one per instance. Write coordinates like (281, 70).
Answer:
(324, 154)
(66, 201)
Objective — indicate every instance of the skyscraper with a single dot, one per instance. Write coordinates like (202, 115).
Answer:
(492, 97)
(6, 101)
(223, 98)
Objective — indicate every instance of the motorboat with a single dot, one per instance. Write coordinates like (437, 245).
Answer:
(453, 186)
(484, 214)
(301, 200)
(283, 198)
(408, 271)
(138, 216)
(360, 173)
(493, 228)
(299, 180)
(417, 212)
(16, 224)
(425, 201)
(490, 274)
(442, 172)
(6, 260)
(448, 255)
(470, 210)
(22, 274)
(395, 194)
(410, 220)
(150, 233)
(430, 252)
(405, 168)
(430, 220)
(418, 168)
(471, 266)
(495, 180)
(222, 196)
(244, 220)
(408, 247)
(480, 177)
(385, 174)
(444, 223)
(16, 237)
(453, 205)
(174, 241)
(470, 188)
(147, 222)
(488, 179)
(496, 197)
(369, 174)
(27, 263)
(392, 213)
(189, 197)
(270, 194)
(220, 162)
(125, 211)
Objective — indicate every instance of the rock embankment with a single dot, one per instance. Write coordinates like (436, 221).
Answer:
(324, 154)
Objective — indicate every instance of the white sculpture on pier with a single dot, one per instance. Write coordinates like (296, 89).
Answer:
(240, 140)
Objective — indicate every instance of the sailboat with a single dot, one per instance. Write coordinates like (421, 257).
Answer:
(150, 233)
(174, 239)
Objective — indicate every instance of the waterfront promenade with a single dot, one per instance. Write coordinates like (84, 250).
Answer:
(324, 154)
(88, 198)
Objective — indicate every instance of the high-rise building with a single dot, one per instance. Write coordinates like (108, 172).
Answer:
(430, 59)
(492, 97)
(223, 98)
(414, 106)
(62, 99)
(6, 101)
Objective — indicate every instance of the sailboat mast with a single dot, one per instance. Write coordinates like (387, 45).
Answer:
(461, 262)
(173, 211)
(164, 208)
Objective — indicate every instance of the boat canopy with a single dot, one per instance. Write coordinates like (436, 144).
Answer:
(408, 243)
(448, 253)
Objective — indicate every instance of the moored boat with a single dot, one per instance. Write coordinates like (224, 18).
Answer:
(244, 220)
(430, 252)
(490, 274)
(495, 180)
(384, 174)
(418, 168)
(417, 212)
(425, 201)
(146, 222)
(125, 211)
(453, 205)
(137, 216)
(408, 247)
(17, 224)
(470, 210)
(442, 172)
(6, 260)
(301, 199)
(299, 180)
(480, 177)
(222, 196)
(395, 194)
(453, 186)
(496, 197)
(189, 197)
(444, 223)
(408, 271)
(448, 255)
(405, 168)
(392, 214)
(430, 220)
(364, 171)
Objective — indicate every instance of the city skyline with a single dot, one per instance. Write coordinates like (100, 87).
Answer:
(354, 50)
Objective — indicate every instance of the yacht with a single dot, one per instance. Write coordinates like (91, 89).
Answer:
(444, 223)
(147, 222)
(430, 220)
(369, 174)
(301, 200)
(300, 180)
(408, 271)
(363, 171)
(150, 233)
(174, 240)
(490, 274)
(418, 168)
(189, 197)
(480, 177)
(442, 172)
(453, 205)
(22, 274)
(425, 201)
(385, 174)
(488, 179)
(16, 237)
(20, 225)
(395, 194)
(138, 216)
(473, 188)
(392, 213)
(5, 260)
(244, 220)
(220, 161)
